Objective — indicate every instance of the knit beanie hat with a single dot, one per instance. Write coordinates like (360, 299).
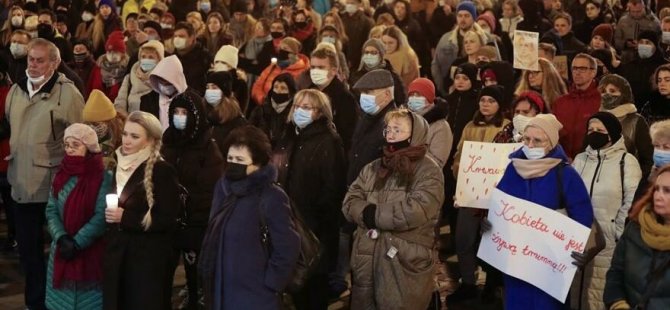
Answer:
(605, 31)
(469, 70)
(293, 44)
(227, 54)
(98, 108)
(619, 82)
(488, 73)
(109, 3)
(611, 123)
(496, 92)
(222, 80)
(115, 42)
(155, 45)
(649, 35)
(467, 6)
(489, 19)
(532, 97)
(238, 6)
(378, 44)
(549, 124)
(155, 26)
(85, 134)
(424, 87)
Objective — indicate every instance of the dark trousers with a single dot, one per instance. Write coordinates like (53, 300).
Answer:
(8, 203)
(191, 270)
(30, 220)
(314, 295)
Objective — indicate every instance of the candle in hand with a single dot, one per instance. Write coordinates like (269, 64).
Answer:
(112, 201)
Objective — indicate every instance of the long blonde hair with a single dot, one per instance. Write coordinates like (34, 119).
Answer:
(154, 132)
(553, 85)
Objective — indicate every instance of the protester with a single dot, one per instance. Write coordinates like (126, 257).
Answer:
(357, 25)
(113, 64)
(546, 81)
(373, 58)
(658, 106)
(638, 19)
(106, 21)
(224, 112)
(227, 59)
(99, 113)
(136, 83)
(395, 202)
(194, 58)
(216, 35)
(289, 60)
(76, 220)
(638, 70)
(167, 81)
(272, 116)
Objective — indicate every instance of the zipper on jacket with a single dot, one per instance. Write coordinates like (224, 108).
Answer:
(595, 174)
(53, 132)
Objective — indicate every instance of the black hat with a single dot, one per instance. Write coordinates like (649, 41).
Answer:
(496, 92)
(89, 7)
(469, 70)
(649, 35)
(239, 6)
(223, 80)
(611, 123)
(154, 25)
(86, 42)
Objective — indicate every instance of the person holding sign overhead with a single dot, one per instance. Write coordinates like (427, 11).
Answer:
(539, 173)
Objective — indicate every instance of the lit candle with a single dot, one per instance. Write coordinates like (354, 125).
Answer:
(112, 201)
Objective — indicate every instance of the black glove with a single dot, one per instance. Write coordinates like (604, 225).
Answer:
(67, 247)
(581, 259)
(485, 225)
(369, 216)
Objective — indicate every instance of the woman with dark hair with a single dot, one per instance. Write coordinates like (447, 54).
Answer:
(237, 271)
(304, 29)
(255, 54)
(216, 35)
(595, 15)
(638, 277)
(272, 116)
(105, 22)
(224, 112)
(658, 106)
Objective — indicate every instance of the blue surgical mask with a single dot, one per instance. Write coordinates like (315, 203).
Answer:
(302, 117)
(645, 50)
(661, 158)
(416, 103)
(213, 96)
(147, 64)
(179, 121)
(534, 152)
(369, 104)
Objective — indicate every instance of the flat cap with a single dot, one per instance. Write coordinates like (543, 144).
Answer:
(375, 79)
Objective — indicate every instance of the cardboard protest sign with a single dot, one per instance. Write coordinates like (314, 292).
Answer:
(561, 65)
(532, 243)
(526, 46)
(481, 167)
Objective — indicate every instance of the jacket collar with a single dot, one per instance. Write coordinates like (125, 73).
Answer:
(134, 183)
(46, 88)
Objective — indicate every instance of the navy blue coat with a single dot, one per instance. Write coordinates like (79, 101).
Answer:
(250, 279)
(544, 191)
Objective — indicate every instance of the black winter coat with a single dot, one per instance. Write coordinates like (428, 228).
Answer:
(344, 107)
(196, 63)
(275, 125)
(657, 108)
(462, 108)
(221, 131)
(583, 30)
(138, 263)
(637, 72)
(262, 61)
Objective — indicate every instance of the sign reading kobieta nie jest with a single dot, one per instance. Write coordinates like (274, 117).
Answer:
(532, 243)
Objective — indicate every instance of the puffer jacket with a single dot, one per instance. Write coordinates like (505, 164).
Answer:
(132, 89)
(38, 124)
(635, 131)
(406, 219)
(264, 83)
(627, 278)
(601, 172)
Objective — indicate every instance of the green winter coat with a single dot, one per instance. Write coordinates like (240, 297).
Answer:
(74, 298)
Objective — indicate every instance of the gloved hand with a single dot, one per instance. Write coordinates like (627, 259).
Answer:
(67, 247)
(581, 259)
(485, 225)
(369, 216)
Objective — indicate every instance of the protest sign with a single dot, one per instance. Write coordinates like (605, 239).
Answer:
(532, 243)
(481, 167)
(526, 50)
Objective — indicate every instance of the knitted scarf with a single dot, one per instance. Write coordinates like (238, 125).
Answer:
(534, 168)
(656, 235)
(78, 209)
(112, 73)
(402, 161)
(304, 33)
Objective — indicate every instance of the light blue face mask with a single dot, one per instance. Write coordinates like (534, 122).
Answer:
(213, 96)
(329, 39)
(661, 158)
(416, 103)
(179, 121)
(302, 118)
(533, 152)
(368, 104)
(147, 64)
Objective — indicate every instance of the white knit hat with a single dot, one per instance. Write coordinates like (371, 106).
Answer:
(549, 124)
(85, 134)
(227, 54)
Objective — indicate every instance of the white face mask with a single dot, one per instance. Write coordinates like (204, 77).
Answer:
(533, 153)
(665, 37)
(17, 21)
(370, 60)
(86, 16)
(520, 122)
(319, 76)
(35, 80)
(113, 57)
(179, 43)
(213, 96)
(166, 26)
(18, 50)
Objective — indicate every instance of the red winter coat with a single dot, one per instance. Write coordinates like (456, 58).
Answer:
(573, 110)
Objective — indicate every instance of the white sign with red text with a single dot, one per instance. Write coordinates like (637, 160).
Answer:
(532, 243)
(481, 167)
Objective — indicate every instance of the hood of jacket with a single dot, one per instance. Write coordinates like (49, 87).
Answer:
(419, 130)
(171, 70)
(196, 121)
(616, 148)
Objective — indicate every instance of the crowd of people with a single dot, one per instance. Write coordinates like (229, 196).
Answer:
(225, 135)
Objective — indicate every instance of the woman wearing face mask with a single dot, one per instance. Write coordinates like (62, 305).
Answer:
(85, 27)
(224, 111)
(395, 202)
(139, 255)
(14, 21)
(304, 30)
(289, 60)
(313, 175)
(546, 81)
(255, 54)
(638, 71)
(76, 222)
(526, 106)
(113, 64)
(86, 67)
(400, 54)
(660, 139)
(188, 146)
(487, 122)
(104, 23)
(373, 58)
(136, 83)
(611, 176)
(533, 175)
(99, 113)
(238, 272)
(272, 116)
(658, 106)
(617, 98)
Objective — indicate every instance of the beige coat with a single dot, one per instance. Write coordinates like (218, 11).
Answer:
(406, 219)
(38, 125)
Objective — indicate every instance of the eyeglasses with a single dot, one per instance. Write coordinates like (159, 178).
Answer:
(73, 145)
(535, 141)
(394, 131)
(581, 69)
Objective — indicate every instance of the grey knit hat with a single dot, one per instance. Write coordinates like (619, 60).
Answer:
(375, 79)
(378, 44)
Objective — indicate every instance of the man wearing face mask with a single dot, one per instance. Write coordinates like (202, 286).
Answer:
(357, 25)
(167, 81)
(324, 65)
(194, 58)
(86, 67)
(42, 106)
(639, 69)
(626, 34)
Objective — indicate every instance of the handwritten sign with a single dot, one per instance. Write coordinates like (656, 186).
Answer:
(532, 243)
(481, 167)
(561, 65)
(526, 45)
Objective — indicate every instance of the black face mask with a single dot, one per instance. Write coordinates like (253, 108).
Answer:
(597, 140)
(280, 98)
(277, 34)
(283, 55)
(301, 25)
(45, 31)
(236, 172)
(80, 57)
(394, 146)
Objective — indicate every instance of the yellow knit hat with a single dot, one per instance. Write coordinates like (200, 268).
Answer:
(98, 108)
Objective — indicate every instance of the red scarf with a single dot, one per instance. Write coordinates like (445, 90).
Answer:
(403, 161)
(86, 267)
(305, 33)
